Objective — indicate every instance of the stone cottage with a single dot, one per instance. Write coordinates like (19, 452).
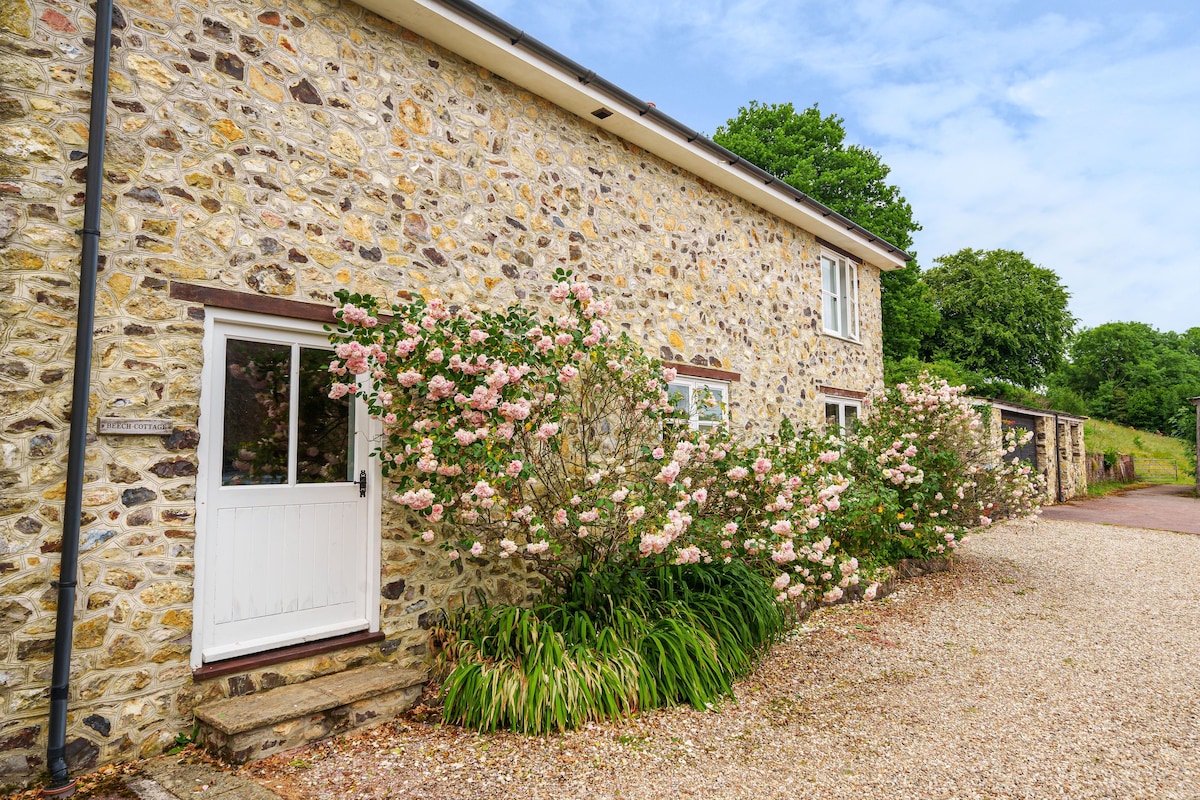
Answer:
(258, 158)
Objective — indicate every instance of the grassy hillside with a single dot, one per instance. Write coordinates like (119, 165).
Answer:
(1100, 436)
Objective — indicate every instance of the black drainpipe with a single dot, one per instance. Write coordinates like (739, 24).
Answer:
(61, 785)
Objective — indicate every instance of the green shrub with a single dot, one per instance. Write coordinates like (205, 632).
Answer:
(734, 603)
(513, 670)
(617, 641)
(680, 663)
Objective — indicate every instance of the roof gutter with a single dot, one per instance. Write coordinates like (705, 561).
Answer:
(518, 38)
(61, 784)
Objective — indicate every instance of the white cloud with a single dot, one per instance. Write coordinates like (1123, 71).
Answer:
(1090, 167)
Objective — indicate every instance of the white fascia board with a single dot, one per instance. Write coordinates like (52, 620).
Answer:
(471, 40)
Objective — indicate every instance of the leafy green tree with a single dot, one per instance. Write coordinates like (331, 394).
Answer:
(1189, 341)
(909, 314)
(1116, 353)
(1135, 375)
(1001, 315)
(1183, 426)
(808, 151)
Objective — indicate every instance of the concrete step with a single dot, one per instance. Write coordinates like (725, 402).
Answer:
(254, 726)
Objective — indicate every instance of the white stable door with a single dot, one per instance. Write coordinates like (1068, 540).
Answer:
(286, 548)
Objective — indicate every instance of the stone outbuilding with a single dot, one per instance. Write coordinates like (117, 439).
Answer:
(259, 158)
(1056, 450)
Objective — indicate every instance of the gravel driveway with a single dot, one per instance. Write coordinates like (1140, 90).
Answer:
(1060, 659)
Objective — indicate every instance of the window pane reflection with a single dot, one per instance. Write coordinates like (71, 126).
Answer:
(712, 404)
(254, 446)
(325, 426)
(680, 395)
(832, 417)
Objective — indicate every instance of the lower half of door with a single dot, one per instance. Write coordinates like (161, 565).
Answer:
(283, 573)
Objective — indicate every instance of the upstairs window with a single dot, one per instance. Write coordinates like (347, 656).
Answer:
(704, 401)
(839, 290)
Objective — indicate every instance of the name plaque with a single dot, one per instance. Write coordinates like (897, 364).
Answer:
(121, 425)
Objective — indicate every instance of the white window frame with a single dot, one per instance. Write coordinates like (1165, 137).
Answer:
(839, 296)
(695, 385)
(842, 403)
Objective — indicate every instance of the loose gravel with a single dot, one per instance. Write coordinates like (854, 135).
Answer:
(1055, 660)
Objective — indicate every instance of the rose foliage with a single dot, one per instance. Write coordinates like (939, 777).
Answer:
(553, 439)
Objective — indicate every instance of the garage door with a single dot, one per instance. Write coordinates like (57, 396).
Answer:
(1022, 423)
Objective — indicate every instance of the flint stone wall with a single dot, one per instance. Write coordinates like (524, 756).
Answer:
(289, 151)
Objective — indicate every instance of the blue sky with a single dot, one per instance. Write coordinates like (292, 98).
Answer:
(1067, 130)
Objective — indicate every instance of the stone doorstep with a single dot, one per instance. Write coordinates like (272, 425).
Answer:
(254, 726)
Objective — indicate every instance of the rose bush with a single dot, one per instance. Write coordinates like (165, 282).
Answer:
(924, 460)
(554, 439)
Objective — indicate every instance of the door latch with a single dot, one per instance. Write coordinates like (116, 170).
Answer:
(362, 483)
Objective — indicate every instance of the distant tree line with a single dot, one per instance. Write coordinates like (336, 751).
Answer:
(990, 319)
(1130, 373)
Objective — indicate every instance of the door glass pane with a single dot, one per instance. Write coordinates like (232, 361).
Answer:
(254, 444)
(325, 427)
